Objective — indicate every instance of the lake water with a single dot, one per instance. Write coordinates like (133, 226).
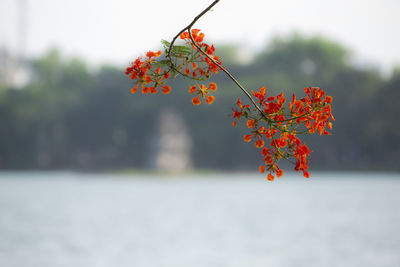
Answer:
(91, 220)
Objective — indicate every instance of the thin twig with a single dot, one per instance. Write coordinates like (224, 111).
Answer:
(188, 28)
(190, 25)
(226, 72)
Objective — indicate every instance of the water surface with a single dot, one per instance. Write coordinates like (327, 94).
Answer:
(91, 220)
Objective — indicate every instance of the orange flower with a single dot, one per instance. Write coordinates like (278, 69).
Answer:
(202, 92)
(261, 94)
(166, 89)
(210, 50)
(279, 143)
(268, 160)
(212, 86)
(265, 151)
(210, 99)
(250, 124)
(192, 89)
(153, 90)
(270, 177)
(151, 54)
(147, 79)
(237, 114)
(259, 143)
(328, 99)
(199, 38)
(281, 99)
(196, 101)
(184, 35)
(145, 90)
(201, 72)
(134, 89)
(195, 32)
(247, 137)
(302, 150)
(262, 169)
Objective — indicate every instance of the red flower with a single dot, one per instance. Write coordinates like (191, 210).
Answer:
(166, 89)
(196, 101)
(203, 92)
(134, 89)
(210, 99)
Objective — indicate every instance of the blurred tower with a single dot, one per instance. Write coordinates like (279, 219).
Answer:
(172, 143)
(22, 30)
(14, 67)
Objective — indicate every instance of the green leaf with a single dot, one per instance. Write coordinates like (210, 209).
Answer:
(179, 49)
(164, 62)
(166, 43)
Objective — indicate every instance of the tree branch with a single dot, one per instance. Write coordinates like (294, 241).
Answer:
(226, 72)
(190, 25)
(188, 28)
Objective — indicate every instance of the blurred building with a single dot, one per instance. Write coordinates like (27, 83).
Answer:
(15, 69)
(14, 72)
(173, 143)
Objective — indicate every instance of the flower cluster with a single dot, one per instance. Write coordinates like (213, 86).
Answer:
(274, 128)
(278, 136)
(314, 110)
(202, 92)
(209, 68)
(143, 71)
(238, 113)
(151, 73)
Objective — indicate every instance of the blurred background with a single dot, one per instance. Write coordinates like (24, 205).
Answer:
(66, 107)
(65, 102)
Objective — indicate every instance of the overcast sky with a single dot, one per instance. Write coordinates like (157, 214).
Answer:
(115, 31)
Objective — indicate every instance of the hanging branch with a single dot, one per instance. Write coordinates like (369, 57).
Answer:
(270, 129)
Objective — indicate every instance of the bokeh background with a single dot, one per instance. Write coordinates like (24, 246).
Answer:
(76, 147)
(65, 102)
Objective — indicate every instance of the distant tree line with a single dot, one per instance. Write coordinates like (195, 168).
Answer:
(71, 118)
